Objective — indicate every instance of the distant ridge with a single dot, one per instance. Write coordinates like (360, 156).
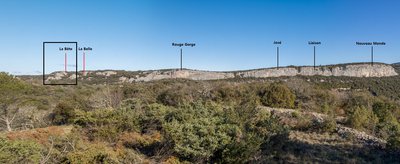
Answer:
(121, 76)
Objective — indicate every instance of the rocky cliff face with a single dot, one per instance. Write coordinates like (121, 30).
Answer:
(186, 74)
(352, 70)
(357, 70)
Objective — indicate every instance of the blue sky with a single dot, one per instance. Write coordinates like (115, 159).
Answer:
(229, 34)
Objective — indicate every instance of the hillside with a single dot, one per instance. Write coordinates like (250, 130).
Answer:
(350, 70)
(188, 116)
(347, 70)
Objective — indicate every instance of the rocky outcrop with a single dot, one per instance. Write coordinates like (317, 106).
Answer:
(106, 73)
(352, 70)
(357, 70)
(360, 136)
(57, 76)
(186, 74)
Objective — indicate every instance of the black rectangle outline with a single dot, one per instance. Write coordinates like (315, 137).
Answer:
(76, 61)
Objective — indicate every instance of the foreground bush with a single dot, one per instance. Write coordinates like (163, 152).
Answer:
(19, 151)
(13, 94)
(388, 123)
(278, 95)
(92, 153)
(363, 119)
(197, 131)
(207, 132)
(62, 113)
(107, 124)
(394, 141)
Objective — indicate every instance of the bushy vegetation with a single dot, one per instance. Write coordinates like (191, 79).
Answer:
(19, 151)
(277, 95)
(363, 118)
(184, 121)
(12, 96)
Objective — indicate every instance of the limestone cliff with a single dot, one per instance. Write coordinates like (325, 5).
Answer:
(352, 70)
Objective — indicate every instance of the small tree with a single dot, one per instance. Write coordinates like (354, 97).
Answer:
(278, 95)
(11, 91)
(387, 120)
(62, 113)
(363, 118)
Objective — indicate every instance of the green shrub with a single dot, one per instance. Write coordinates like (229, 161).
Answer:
(154, 116)
(147, 92)
(384, 111)
(363, 119)
(258, 126)
(394, 139)
(19, 151)
(357, 99)
(387, 120)
(106, 124)
(92, 153)
(13, 94)
(176, 96)
(124, 119)
(62, 113)
(278, 95)
(171, 98)
(329, 125)
(296, 114)
(324, 100)
(241, 151)
(197, 132)
(227, 94)
(303, 122)
(208, 132)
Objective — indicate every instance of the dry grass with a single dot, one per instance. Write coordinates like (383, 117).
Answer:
(319, 139)
(40, 135)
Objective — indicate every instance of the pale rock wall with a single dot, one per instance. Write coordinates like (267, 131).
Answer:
(356, 70)
(351, 70)
(359, 70)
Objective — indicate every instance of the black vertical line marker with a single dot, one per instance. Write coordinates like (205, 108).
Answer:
(181, 58)
(43, 64)
(314, 57)
(372, 55)
(277, 57)
(76, 63)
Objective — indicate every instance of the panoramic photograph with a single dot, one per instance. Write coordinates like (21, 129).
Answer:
(199, 81)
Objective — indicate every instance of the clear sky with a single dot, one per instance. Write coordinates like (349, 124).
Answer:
(229, 34)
